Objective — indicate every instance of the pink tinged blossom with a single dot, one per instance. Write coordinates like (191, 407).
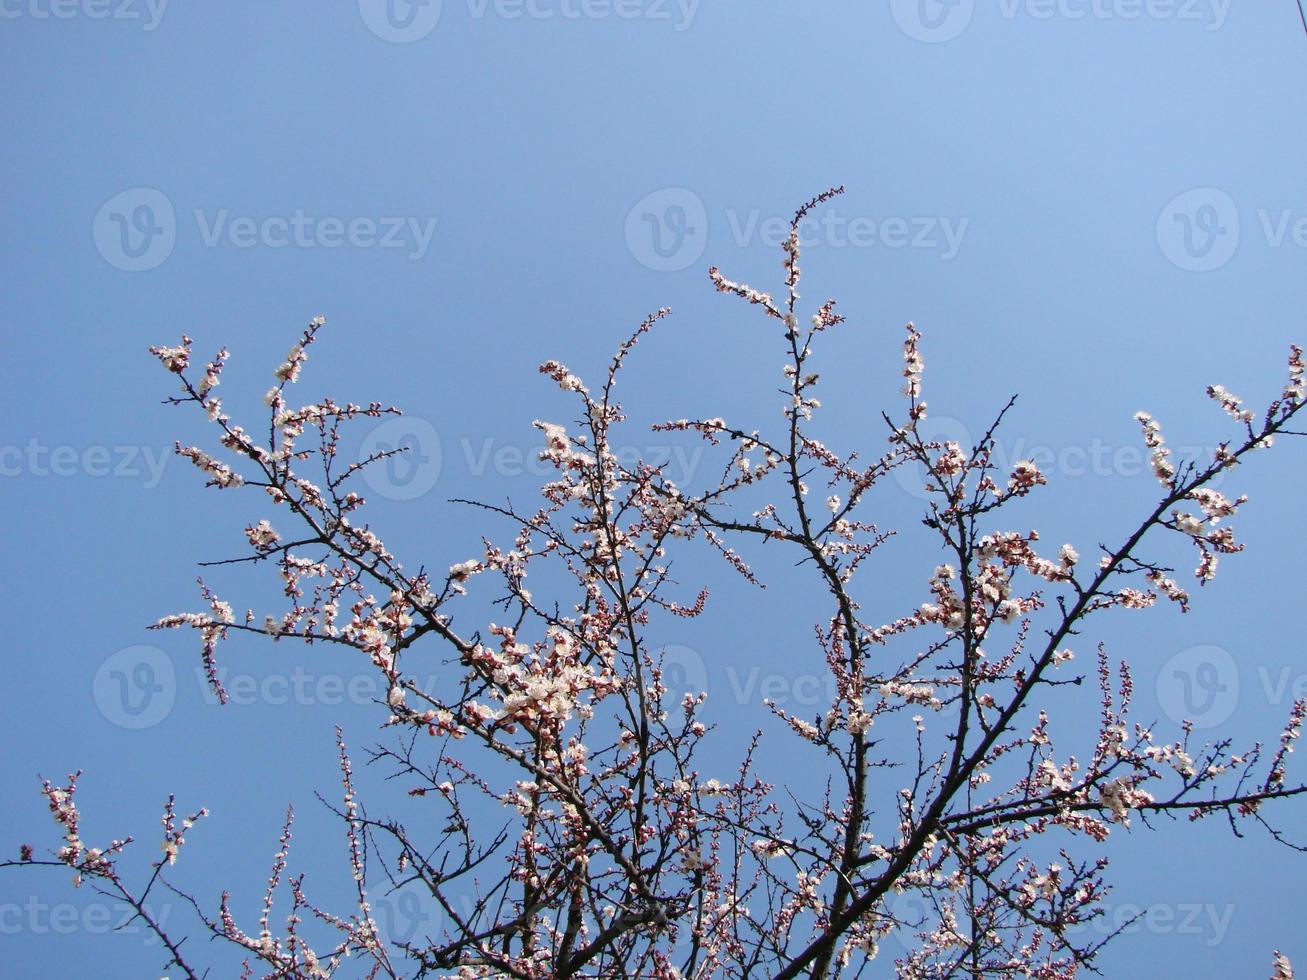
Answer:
(175, 359)
(1169, 588)
(951, 461)
(1025, 477)
(565, 378)
(212, 374)
(220, 474)
(1119, 797)
(754, 296)
(1232, 404)
(464, 570)
(289, 370)
(1135, 599)
(1163, 468)
(1214, 504)
(913, 363)
(1294, 391)
(1053, 776)
(859, 723)
(768, 848)
(262, 536)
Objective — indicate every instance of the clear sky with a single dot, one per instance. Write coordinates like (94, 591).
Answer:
(1097, 204)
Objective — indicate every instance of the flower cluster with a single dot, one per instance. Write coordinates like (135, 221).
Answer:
(1163, 468)
(743, 291)
(913, 364)
(1295, 391)
(1232, 404)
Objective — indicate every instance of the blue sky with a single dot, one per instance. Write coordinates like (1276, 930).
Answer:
(1097, 205)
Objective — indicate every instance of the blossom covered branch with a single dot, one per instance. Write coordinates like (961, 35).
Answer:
(620, 854)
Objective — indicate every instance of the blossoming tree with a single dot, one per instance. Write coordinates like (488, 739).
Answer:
(620, 856)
